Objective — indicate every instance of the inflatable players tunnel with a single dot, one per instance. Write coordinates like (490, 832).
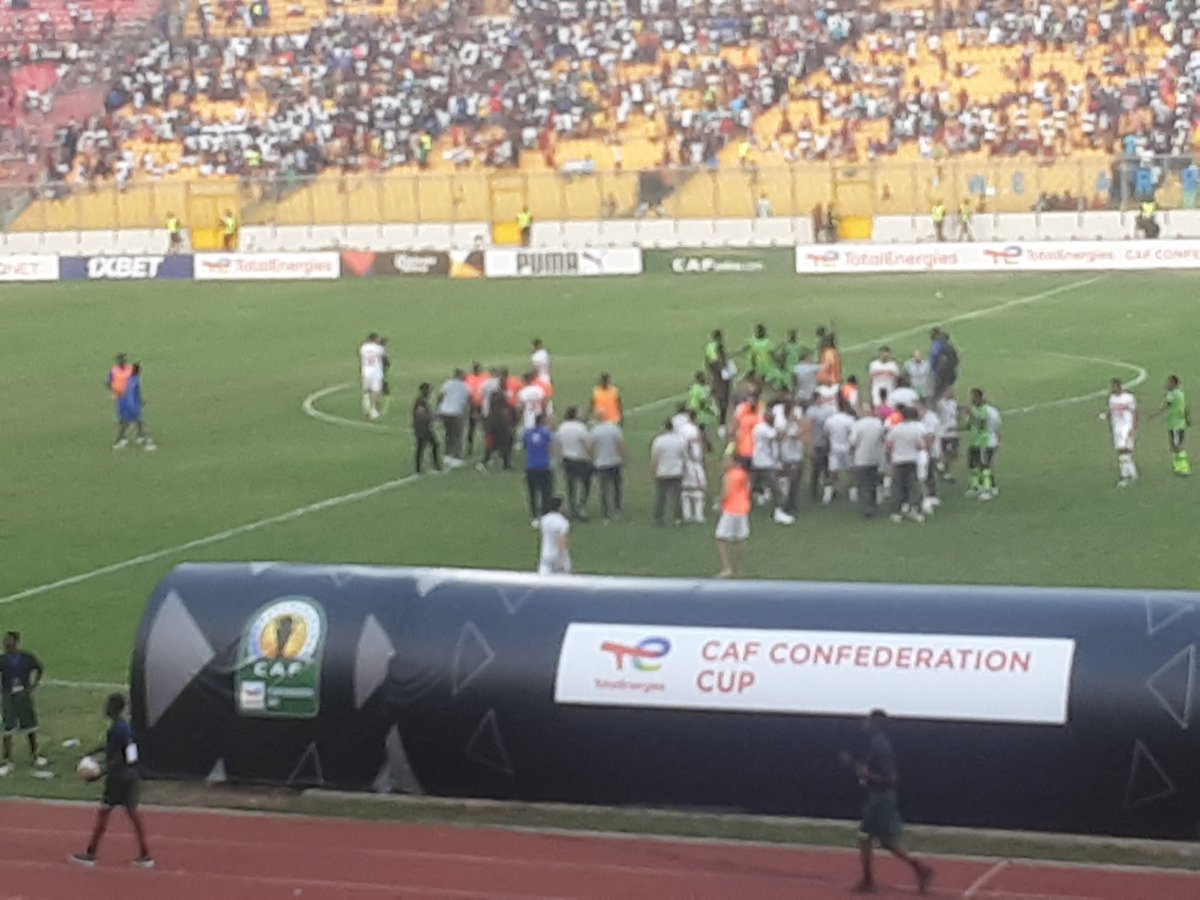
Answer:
(1063, 710)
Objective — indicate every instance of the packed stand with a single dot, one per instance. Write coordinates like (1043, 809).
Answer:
(684, 78)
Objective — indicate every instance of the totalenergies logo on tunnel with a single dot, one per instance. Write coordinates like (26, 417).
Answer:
(644, 656)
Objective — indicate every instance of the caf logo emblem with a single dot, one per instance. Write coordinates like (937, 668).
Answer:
(279, 662)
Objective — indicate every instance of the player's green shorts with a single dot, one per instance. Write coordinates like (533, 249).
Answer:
(121, 790)
(881, 817)
(18, 713)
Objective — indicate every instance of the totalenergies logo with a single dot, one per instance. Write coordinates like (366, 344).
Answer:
(825, 258)
(1009, 256)
(644, 655)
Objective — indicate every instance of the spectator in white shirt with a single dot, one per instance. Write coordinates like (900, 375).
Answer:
(454, 402)
(608, 456)
(668, 460)
(866, 455)
(574, 444)
(905, 444)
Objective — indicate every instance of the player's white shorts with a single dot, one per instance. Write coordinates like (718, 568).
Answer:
(923, 465)
(839, 459)
(372, 381)
(732, 527)
(560, 565)
(1123, 439)
(694, 477)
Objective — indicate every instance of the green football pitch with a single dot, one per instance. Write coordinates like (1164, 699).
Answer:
(264, 455)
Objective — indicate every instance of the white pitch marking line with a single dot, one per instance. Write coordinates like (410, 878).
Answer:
(387, 486)
(309, 408)
(1137, 380)
(218, 537)
(978, 884)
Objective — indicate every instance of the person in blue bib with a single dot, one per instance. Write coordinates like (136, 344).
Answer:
(130, 407)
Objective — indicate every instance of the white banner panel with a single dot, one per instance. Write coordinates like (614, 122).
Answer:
(321, 266)
(1027, 256)
(28, 267)
(971, 678)
(528, 263)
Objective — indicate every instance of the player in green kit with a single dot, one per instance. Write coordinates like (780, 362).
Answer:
(792, 350)
(761, 350)
(700, 400)
(983, 438)
(1175, 408)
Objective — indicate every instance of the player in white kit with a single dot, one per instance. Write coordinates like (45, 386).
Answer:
(371, 355)
(837, 430)
(531, 401)
(1122, 417)
(555, 555)
(539, 359)
(695, 479)
(883, 373)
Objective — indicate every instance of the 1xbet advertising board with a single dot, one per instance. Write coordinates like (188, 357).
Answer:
(125, 268)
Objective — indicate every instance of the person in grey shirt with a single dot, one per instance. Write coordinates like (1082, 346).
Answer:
(817, 446)
(905, 443)
(454, 404)
(668, 459)
(608, 457)
(805, 376)
(573, 442)
(920, 376)
(866, 456)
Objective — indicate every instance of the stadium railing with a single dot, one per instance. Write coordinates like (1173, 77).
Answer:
(497, 196)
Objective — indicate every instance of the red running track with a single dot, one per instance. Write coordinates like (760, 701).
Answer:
(229, 856)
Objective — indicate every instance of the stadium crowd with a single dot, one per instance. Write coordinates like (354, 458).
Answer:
(849, 80)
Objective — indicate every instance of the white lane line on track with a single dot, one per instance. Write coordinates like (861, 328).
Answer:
(978, 884)
(385, 487)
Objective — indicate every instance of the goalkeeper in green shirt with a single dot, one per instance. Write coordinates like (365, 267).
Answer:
(1175, 408)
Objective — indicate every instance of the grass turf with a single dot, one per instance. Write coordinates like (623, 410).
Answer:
(227, 369)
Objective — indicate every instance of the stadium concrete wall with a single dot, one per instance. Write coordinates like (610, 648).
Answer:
(1061, 710)
(649, 233)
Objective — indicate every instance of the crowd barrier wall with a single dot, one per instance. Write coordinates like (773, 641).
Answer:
(648, 233)
(882, 187)
(1050, 709)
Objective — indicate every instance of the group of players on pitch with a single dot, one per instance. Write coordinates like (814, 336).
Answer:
(793, 411)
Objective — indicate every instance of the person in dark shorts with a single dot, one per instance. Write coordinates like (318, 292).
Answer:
(20, 673)
(122, 783)
(881, 822)
(422, 426)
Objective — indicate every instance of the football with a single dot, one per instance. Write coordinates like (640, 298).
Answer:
(89, 769)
